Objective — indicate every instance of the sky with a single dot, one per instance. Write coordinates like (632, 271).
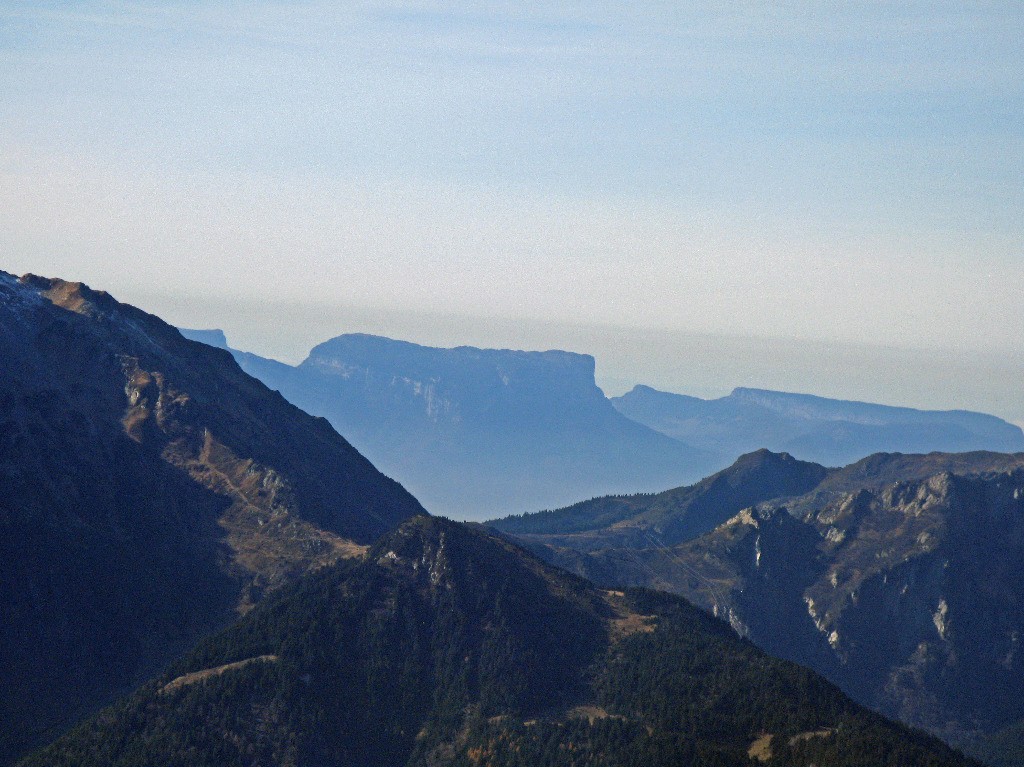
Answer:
(819, 197)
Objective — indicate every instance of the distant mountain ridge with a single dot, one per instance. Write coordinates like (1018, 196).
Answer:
(478, 432)
(486, 432)
(827, 431)
(149, 491)
(684, 513)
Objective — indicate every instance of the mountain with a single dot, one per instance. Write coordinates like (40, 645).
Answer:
(486, 432)
(479, 432)
(270, 372)
(448, 646)
(149, 491)
(672, 516)
(828, 431)
(899, 578)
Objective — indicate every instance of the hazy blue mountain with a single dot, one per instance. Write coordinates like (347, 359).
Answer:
(478, 432)
(486, 432)
(827, 431)
(212, 337)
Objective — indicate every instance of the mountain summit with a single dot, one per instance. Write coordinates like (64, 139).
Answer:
(149, 491)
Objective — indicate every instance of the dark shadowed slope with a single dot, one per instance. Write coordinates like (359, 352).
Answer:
(450, 647)
(480, 432)
(827, 431)
(148, 489)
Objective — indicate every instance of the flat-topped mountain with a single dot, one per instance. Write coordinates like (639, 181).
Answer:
(898, 577)
(149, 491)
(827, 431)
(448, 646)
(484, 432)
(479, 432)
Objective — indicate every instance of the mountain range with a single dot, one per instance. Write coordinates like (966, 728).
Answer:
(898, 577)
(477, 433)
(171, 525)
(827, 431)
(448, 646)
(150, 491)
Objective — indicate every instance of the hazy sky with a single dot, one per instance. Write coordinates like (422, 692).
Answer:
(845, 179)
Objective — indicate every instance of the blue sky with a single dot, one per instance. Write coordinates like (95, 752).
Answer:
(842, 174)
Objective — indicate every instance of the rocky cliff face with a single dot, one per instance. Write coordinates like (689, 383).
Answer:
(906, 593)
(459, 383)
(149, 490)
(921, 600)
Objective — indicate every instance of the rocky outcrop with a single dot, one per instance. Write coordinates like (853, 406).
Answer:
(905, 593)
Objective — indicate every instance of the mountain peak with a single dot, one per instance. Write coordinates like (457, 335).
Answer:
(778, 469)
(74, 296)
(765, 457)
(133, 458)
(441, 555)
(674, 515)
(457, 383)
